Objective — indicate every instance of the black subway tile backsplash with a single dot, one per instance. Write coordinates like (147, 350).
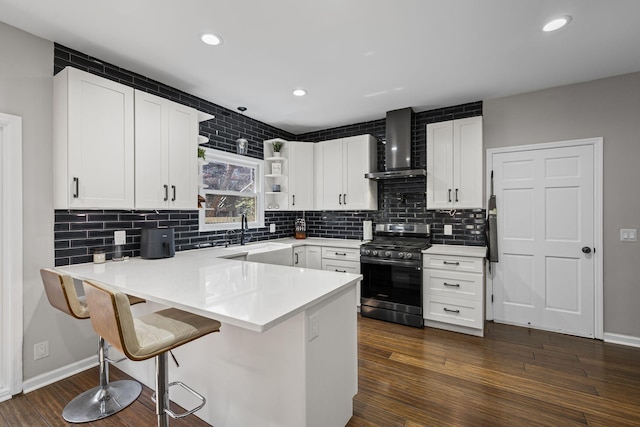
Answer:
(79, 232)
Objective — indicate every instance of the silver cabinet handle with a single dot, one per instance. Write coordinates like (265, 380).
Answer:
(76, 182)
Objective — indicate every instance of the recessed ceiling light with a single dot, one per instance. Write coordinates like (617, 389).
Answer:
(211, 39)
(299, 92)
(556, 23)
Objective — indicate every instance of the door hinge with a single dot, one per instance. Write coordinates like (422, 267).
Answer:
(491, 297)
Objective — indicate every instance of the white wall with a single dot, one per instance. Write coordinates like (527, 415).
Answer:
(26, 90)
(609, 108)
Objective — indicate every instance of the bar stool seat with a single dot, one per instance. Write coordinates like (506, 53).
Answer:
(151, 335)
(109, 397)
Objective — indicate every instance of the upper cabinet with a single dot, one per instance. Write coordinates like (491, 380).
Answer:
(454, 164)
(93, 142)
(340, 166)
(166, 147)
(301, 173)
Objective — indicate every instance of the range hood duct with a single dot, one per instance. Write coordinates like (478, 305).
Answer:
(398, 147)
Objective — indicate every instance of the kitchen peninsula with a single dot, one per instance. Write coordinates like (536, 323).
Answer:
(286, 354)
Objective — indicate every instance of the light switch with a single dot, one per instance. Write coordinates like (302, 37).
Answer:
(272, 228)
(628, 234)
(448, 229)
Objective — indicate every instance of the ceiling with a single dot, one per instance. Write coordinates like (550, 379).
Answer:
(356, 58)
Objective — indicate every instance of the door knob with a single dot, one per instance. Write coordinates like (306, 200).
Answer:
(586, 249)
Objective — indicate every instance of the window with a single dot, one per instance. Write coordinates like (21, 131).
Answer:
(232, 186)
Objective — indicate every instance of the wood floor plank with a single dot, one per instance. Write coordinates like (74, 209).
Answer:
(19, 412)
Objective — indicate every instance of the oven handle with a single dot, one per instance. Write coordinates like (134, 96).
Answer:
(394, 262)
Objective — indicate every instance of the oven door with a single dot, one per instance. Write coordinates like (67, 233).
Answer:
(391, 288)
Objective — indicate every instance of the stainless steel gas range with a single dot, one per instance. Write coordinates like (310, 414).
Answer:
(391, 266)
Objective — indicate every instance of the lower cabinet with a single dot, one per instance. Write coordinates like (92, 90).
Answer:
(453, 289)
(313, 255)
(299, 256)
(344, 260)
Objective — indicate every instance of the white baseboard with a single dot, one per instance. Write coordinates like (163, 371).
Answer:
(622, 339)
(5, 394)
(58, 374)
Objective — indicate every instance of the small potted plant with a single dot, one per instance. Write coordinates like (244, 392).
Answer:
(277, 146)
(201, 153)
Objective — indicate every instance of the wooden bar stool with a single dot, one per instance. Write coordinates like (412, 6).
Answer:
(109, 397)
(151, 335)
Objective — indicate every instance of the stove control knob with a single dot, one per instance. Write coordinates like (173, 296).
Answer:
(374, 253)
(400, 255)
(387, 254)
(367, 252)
(408, 255)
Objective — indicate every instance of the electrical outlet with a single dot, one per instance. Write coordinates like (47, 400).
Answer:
(628, 234)
(448, 229)
(41, 350)
(272, 228)
(119, 237)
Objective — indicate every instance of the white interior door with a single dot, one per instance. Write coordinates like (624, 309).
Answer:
(546, 216)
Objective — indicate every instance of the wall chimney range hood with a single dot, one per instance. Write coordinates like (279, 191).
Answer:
(397, 147)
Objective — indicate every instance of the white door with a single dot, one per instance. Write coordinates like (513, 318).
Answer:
(546, 205)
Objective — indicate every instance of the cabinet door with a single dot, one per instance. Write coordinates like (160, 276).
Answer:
(467, 163)
(358, 158)
(440, 165)
(301, 170)
(299, 257)
(313, 257)
(152, 152)
(183, 159)
(331, 175)
(98, 138)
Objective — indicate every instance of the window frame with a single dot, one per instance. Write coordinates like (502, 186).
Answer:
(213, 155)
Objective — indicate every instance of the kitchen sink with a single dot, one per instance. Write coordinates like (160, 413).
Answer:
(270, 253)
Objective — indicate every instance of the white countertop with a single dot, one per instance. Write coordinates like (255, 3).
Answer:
(249, 295)
(319, 241)
(457, 250)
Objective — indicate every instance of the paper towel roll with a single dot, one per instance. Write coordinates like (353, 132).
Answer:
(367, 233)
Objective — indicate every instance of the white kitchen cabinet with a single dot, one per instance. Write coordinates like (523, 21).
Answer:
(166, 142)
(313, 257)
(301, 173)
(344, 260)
(339, 174)
(454, 164)
(93, 142)
(453, 289)
(299, 256)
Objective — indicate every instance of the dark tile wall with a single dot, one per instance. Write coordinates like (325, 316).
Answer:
(79, 233)
(401, 200)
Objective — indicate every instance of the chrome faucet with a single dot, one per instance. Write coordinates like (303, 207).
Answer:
(244, 226)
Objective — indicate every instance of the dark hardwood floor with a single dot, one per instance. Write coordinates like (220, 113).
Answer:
(427, 377)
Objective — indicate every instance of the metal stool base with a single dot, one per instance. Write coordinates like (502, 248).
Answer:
(101, 402)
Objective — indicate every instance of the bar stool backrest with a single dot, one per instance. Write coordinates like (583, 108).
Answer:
(61, 293)
(111, 317)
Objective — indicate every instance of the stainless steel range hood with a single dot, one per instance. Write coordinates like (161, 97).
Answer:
(397, 147)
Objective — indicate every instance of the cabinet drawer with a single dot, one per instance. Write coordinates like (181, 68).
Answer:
(349, 254)
(454, 311)
(342, 266)
(454, 263)
(468, 286)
